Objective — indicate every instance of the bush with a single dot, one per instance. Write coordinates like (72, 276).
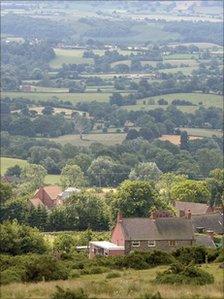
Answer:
(94, 270)
(45, 267)
(68, 294)
(179, 274)
(185, 255)
(12, 274)
(157, 295)
(113, 275)
(74, 274)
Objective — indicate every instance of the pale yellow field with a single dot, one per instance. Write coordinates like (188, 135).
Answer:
(175, 139)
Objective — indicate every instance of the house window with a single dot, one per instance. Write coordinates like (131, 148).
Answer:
(151, 243)
(172, 243)
(135, 243)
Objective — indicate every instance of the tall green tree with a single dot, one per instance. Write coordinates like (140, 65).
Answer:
(145, 171)
(134, 199)
(72, 176)
(189, 190)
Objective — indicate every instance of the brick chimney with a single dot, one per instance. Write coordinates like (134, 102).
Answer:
(210, 233)
(119, 217)
(189, 214)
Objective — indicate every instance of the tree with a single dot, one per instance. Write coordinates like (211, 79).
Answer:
(145, 171)
(33, 176)
(104, 171)
(72, 176)
(134, 199)
(38, 218)
(184, 140)
(88, 210)
(132, 134)
(209, 159)
(5, 192)
(14, 171)
(48, 110)
(19, 239)
(189, 190)
(215, 183)
(82, 160)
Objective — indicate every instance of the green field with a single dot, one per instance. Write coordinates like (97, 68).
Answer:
(69, 56)
(181, 56)
(10, 162)
(207, 100)
(131, 284)
(71, 97)
(202, 132)
(104, 138)
(185, 70)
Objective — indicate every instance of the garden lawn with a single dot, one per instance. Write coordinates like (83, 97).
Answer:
(131, 284)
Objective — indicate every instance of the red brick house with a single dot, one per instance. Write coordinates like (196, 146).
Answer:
(47, 197)
(145, 234)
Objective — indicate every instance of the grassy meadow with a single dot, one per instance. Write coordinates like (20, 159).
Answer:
(104, 138)
(131, 284)
(197, 132)
(64, 96)
(207, 100)
(6, 162)
(175, 139)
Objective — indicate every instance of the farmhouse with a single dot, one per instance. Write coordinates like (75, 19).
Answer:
(145, 234)
(47, 197)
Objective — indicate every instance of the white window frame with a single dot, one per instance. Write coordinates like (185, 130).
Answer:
(135, 243)
(151, 243)
(172, 243)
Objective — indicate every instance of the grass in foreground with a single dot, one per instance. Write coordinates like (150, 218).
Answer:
(131, 284)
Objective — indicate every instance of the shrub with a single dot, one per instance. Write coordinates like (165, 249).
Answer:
(74, 274)
(12, 274)
(94, 270)
(113, 275)
(179, 274)
(157, 295)
(68, 294)
(45, 267)
(185, 255)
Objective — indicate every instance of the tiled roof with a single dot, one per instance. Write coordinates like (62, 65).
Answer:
(172, 228)
(211, 221)
(53, 191)
(195, 208)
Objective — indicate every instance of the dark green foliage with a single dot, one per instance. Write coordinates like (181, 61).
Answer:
(157, 295)
(179, 274)
(69, 294)
(45, 267)
(113, 275)
(185, 255)
(19, 239)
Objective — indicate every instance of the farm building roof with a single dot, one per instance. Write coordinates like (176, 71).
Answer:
(107, 245)
(211, 221)
(172, 228)
(194, 207)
